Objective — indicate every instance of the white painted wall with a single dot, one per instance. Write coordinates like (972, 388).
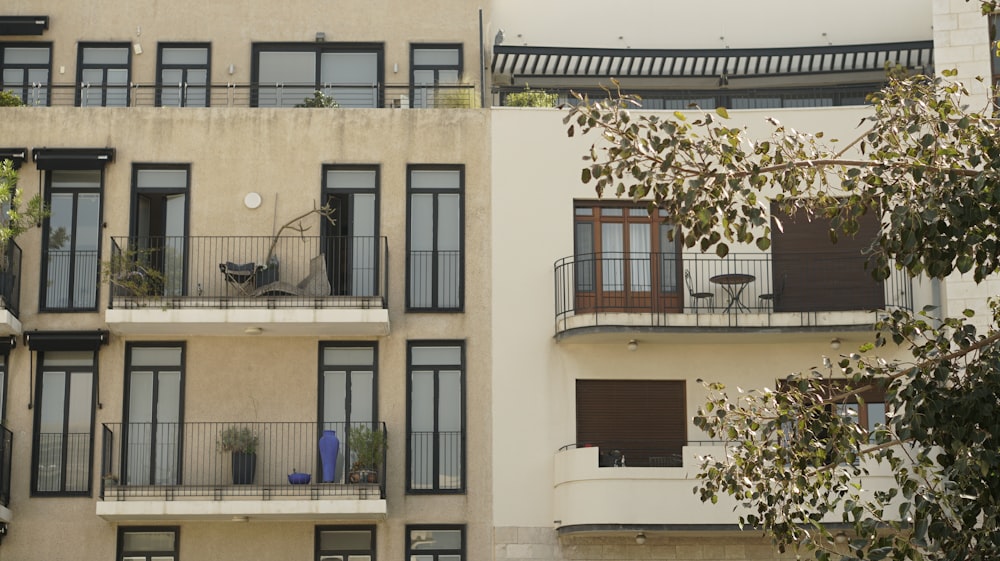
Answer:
(710, 24)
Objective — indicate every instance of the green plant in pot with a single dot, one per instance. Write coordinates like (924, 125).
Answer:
(367, 448)
(242, 442)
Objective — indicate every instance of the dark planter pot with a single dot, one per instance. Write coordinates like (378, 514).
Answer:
(244, 468)
(363, 476)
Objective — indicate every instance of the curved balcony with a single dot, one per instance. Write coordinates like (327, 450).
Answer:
(669, 292)
(591, 495)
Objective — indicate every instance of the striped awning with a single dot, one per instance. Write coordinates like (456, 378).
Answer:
(524, 61)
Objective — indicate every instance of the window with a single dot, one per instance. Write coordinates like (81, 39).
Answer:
(72, 237)
(435, 267)
(347, 389)
(25, 70)
(434, 71)
(436, 419)
(64, 423)
(816, 275)
(154, 543)
(103, 75)
(183, 75)
(159, 222)
(289, 74)
(624, 259)
(435, 543)
(345, 543)
(152, 435)
(644, 421)
(352, 241)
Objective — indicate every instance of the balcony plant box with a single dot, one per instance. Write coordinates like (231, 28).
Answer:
(367, 447)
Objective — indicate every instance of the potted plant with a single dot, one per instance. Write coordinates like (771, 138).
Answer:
(242, 443)
(14, 221)
(367, 448)
(531, 98)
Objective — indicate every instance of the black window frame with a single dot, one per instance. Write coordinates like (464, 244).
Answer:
(340, 272)
(130, 346)
(36, 427)
(435, 277)
(184, 68)
(81, 67)
(318, 553)
(44, 277)
(321, 367)
(26, 84)
(122, 530)
(155, 257)
(318, 48)
(4, 379)
(435, 553)
(463, 381)
(416, 94)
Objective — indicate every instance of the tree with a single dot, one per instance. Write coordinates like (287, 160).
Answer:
(928, 167)
(17, 216)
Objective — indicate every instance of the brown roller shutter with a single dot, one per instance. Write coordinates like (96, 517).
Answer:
(645, 419)
(817, 275)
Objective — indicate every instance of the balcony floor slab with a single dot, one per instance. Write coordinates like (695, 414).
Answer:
(237, 321)
(285, 509)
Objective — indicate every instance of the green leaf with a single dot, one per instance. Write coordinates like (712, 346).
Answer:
(722, 112)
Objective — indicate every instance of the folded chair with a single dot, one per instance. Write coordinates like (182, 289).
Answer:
(316, 282)
(241, 276)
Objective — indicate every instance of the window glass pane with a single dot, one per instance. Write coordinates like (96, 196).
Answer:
(349, 68)
(422, 77)
(156, 356)
(434, 179)
(449, 225)
(140, 406)
(64, 179)
(335, 396)
(611, 211)
(289, 67)
(69, 358)
(422, 401)
(584, 211)
(435, 57)
(435, 539)
(135, 542)
(196, 77)
(26, 55)
(436, 355)
(447, 77)
(105, 55)
(345, 540)
(348, 356)
(362, 390)
(350, 179)
(161, 179)
(876, 415)
(421, 230)
(185, 55)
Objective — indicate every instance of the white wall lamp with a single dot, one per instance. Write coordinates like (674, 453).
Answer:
(640, 538)
(840, 537)
(835, 343)
(632, 346)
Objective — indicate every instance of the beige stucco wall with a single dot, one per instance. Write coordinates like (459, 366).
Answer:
(710, 24)
(279, 154)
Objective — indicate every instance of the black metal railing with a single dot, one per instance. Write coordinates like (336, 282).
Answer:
(635, 453)
(63, 462)
(435, 279)
(436, 460)
(189, 459)
(443, 96)
(228, 271)
(10, 278)
(71, 279)
(741, 98)
(660, 284)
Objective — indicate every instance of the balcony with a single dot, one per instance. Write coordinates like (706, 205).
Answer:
(176, 471)
(249, 95)
(232, 285)
(10, 290)
(592, 496)
(701, 293)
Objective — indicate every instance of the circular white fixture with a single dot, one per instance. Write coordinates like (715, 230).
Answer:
(252, 200)
(835, 344)
(632, 345)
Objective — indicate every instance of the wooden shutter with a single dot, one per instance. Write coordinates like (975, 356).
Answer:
(818, 275)
(643, 419)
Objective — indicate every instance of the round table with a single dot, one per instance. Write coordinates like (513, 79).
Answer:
(734, 284)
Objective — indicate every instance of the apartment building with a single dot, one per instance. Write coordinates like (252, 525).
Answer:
(612, 325)
(174, 356)
(525, 354)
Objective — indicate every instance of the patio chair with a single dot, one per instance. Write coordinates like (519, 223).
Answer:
(316, 282)
(697, 297)
(772, 297)
(241, 276)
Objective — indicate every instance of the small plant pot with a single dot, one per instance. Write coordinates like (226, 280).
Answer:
(299, 478)
(363, 476)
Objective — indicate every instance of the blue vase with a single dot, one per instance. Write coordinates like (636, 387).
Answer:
(329, 447)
